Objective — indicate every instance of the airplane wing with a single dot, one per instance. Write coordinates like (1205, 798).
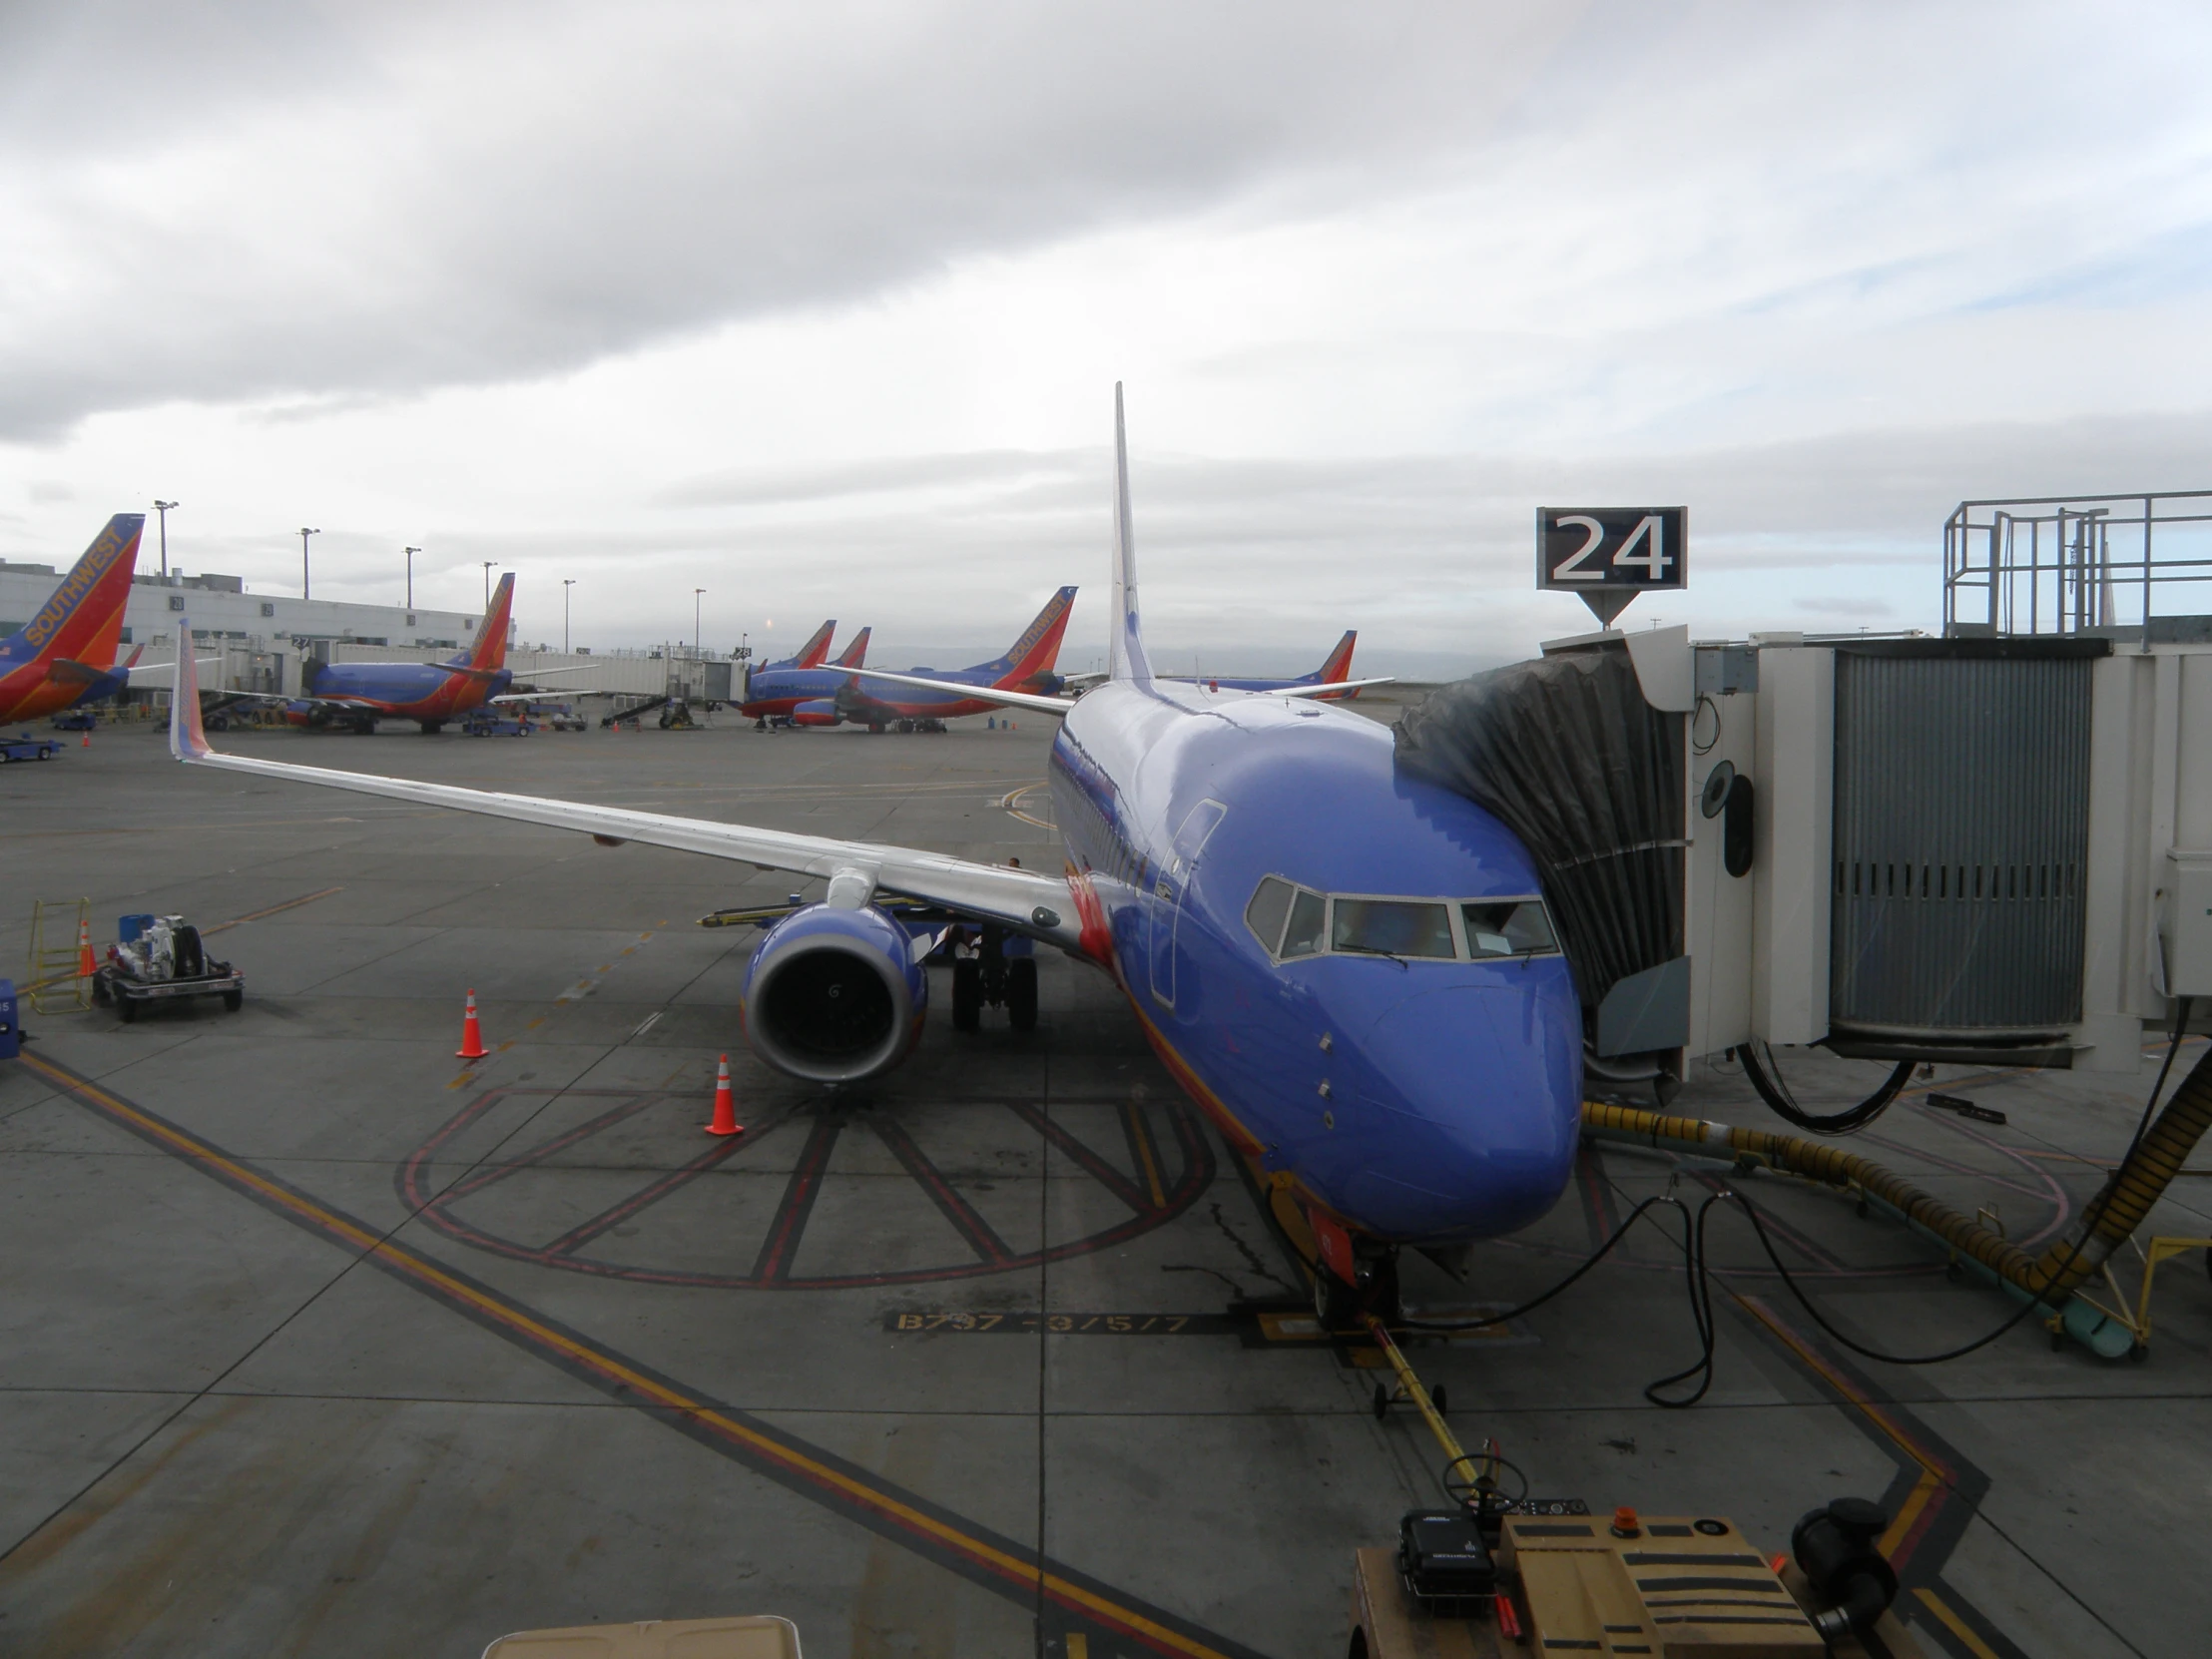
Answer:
(1326, 688)
(1044, 907)
(542, 673)
(982, 694)
(149, 670)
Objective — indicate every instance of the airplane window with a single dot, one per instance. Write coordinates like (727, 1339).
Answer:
(1509, 927)
(1304, 936)
(1269, 905)
(1392, 927)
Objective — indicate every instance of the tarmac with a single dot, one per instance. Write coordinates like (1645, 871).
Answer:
(318, 1340)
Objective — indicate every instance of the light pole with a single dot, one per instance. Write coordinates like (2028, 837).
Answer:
(698, 650)
(162, 507)
(490, 565)
(305, 589)
(567, 582)
(412, 552)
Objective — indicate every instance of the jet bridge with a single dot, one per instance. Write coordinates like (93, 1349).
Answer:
(1982, 849)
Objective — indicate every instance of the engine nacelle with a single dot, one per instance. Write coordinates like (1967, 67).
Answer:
(815, 711)
(835, 995)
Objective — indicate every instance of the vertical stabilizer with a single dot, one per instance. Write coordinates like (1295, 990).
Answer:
(855, 654)
(1338, 664)
(491, 634)
(1125, 658)
(816, 650)
(82, 619)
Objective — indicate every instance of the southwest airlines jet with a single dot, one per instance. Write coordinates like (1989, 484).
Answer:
(1334, 674)
(69, 647)
(778, 688)
(430, 694)
(929, 698)
(1348, 969)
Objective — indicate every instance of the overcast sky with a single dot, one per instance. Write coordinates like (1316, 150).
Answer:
(820, 307)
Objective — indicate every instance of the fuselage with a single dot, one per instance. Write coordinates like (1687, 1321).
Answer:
(1415, 1099)
(404, 691)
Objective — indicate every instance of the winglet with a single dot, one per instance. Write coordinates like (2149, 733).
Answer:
(855, 654)
(187, 740)
(1126, 658)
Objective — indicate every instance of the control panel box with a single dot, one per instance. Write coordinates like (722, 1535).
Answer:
(2185, 921)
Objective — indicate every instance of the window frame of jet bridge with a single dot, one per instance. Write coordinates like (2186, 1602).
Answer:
(1464, 929)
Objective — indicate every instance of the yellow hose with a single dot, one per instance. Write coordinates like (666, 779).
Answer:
(2052, 1278)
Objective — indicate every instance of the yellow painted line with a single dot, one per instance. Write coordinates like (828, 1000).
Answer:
(288, 905)
(1012, 804)
(1933, 1473)
(1142, 1135)
(647, 1388)
(1955, 1625)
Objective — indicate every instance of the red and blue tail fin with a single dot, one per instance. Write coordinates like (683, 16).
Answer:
(490, 651)
(855, 654)
(1338, 664)
(1037, 649)
(82, 619)
(816, 650)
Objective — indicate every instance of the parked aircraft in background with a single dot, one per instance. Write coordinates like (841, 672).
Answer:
(1336, 670)
(928, 698)
(70, 646)
(776, 688)
(358, 695)
(1348, 969)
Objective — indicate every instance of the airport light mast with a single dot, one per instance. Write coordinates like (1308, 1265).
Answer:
(410, 552)
(567, 582)
(162, 507)
(490, 565)
(698, 649)
(305, 590)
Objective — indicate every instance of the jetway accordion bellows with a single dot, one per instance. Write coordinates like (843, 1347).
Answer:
(1566, 754)
(1962, 826)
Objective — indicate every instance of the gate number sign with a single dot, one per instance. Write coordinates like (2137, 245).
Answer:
(1611, 554)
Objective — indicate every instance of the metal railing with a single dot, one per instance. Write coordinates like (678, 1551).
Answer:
(2062, 564)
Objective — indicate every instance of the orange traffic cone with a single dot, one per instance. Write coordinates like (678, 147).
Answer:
(86, 967)
(87, 744)
(472, 1036)
(726, 1105)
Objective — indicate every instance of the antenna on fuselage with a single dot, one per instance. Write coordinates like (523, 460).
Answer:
(1125, 658)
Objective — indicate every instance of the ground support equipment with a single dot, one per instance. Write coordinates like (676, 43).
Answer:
(56, 983)
(24, 747)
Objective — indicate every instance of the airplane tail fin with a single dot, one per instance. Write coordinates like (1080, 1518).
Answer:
(490, 651)
(1125, 658)
(855, 654)
(816, 650)
(1037, 649)
(83, 618)
(1338, 664)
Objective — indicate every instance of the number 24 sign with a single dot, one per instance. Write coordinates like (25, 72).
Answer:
(1580, 548)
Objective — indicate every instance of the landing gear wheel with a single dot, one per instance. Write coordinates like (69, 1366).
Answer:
(968, 994)
(1335, 1303)
(1021, 993)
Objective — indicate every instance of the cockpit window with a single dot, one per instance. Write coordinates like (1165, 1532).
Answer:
(1308, 925)
(1509, 927)
(1294, 921)
(1392, 927)
(1269, 910)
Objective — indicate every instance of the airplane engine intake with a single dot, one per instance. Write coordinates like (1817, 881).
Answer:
(817, 710)
(835, 995)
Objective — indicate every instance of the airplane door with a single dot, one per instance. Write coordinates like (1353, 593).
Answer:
(1169, 883)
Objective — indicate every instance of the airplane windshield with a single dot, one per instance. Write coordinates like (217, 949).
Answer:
(1510, 927)
(1294, 921)
(1392, 927)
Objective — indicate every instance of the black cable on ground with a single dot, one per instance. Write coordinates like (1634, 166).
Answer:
(1775, 1091)
(1534, 1302)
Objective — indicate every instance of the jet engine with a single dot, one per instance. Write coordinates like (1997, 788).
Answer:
(815, 711)
(835, 995)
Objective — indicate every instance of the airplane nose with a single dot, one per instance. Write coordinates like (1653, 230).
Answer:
(1483, 1084)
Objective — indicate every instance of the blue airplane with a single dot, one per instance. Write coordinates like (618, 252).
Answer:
(1348, 969)
(825, 698)
(1333, 677)
(778, 689)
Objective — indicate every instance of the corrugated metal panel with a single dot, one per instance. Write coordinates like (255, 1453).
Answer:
(1962, 826)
